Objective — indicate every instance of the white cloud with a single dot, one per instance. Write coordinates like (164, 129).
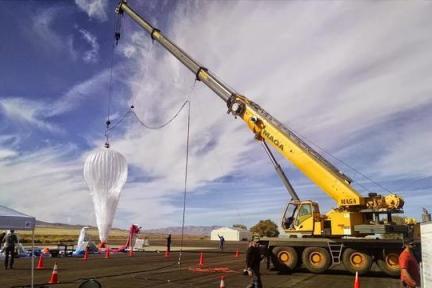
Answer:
(49, 39)
(406, 156)
(42, 27)
(6, 153)
(75, 96)
(94, 8)
(45, 185)
(70, 47)
(26, 112)
(92, 55)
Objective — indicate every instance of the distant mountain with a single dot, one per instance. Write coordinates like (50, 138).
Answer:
(58, 225)
(188, 230)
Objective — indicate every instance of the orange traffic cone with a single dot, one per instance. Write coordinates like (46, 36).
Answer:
(201, 259)
(356, 281)
(167, 253)
(107, 252)
(40, 263)
(54, 276)
(86, 255)
(131, 253)
(237, 254)
(222, 282)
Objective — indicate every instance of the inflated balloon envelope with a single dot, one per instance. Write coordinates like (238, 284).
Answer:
(105, 172)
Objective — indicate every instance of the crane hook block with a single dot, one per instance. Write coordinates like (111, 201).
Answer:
(117, 37)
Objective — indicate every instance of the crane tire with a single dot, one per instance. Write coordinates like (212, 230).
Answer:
(285, 258)
(316, 259)
(389, 263)
(356, 261)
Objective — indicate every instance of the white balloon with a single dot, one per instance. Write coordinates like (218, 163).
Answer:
(105, 172)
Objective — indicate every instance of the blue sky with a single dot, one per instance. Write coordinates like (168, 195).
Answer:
(353, 78)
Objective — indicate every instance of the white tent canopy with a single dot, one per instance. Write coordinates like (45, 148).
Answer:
(11, 219)
(14, 220)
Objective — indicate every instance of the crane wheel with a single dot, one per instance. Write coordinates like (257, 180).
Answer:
(356, 261)
(285, 258)
(316, 259)
(389, 263)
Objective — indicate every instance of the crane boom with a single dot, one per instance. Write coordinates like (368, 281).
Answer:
(266, 128)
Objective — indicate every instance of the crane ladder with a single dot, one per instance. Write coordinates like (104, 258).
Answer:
(335, 250)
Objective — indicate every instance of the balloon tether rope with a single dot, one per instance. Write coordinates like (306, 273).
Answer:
(185, 184)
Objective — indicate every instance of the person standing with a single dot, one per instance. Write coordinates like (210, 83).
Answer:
(2, 235)
(409, 267)
(9, 248)
(253, 260)
(168, 243)
(221, 242)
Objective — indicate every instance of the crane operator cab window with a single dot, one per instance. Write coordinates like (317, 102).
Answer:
(288, 219)
(304, 213)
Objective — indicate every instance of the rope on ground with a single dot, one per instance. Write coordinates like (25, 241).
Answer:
(212, 269)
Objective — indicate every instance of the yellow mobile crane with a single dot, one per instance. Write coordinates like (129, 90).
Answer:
(344, 234)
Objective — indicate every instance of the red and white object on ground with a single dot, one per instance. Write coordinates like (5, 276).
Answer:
(107, 253)
(40, 264)
(356, 281)
(222, 282)
(86, 255)
(201, 259)
(54, 276)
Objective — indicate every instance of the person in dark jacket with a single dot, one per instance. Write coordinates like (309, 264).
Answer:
(253, 260)
(168, 243)
(221, 242)
(9, 248)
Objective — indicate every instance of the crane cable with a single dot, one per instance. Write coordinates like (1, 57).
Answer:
(117, 28)
(342, 162)
(142, 123)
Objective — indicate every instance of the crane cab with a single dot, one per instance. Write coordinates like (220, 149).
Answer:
(302, 219)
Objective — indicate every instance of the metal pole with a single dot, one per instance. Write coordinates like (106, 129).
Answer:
(280, 172)
(32, 260)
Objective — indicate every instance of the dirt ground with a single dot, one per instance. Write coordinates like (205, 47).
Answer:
(153, 269)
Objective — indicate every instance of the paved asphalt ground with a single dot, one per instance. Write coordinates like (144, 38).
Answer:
(152, 269)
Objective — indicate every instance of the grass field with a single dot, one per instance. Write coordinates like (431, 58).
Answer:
(54, 235)
(48, 235)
